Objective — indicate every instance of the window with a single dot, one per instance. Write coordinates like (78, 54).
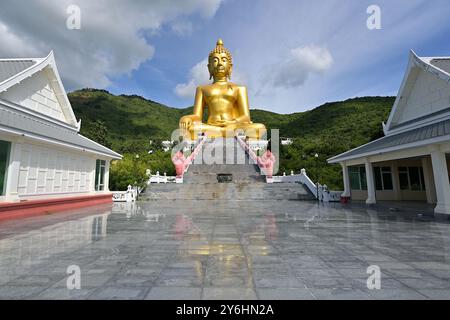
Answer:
(4, 159)
(411, 178)
(357, 176)
(100, 175)
(403, 178)
(383, 178)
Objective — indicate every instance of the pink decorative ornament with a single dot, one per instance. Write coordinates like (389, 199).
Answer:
(179, 161)
(265, 162)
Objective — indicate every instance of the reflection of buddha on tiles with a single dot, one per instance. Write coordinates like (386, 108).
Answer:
(227, 103)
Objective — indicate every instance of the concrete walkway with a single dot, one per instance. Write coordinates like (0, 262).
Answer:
(227, 250)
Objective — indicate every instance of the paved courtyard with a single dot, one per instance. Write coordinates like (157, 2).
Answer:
(227, 250)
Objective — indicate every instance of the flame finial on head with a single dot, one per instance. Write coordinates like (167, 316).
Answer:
(221, 49)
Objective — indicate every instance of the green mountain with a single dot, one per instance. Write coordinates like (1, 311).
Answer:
(127, 124)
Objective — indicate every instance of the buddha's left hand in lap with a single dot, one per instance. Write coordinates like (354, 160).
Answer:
(225, 123)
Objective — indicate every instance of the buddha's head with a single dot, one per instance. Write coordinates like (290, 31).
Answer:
(220, 62)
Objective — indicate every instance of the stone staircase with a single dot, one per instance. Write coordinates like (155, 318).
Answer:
(226, 158)
(227, 173)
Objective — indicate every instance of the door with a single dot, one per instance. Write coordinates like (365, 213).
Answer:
(4, 162)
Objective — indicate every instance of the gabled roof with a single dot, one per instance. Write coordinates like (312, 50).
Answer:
(14, 71)
(26, 124)
(439, 67)
(424, 129)
(404, 140)
(12, 67)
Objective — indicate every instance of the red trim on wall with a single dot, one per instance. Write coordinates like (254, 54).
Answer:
(29, 208)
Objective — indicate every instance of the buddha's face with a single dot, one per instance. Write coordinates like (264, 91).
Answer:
(219, 66)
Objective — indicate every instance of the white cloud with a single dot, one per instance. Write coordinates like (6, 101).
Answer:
(182, 27)
(11, 43)
(110, 42)
(302, 62)
(199, 75)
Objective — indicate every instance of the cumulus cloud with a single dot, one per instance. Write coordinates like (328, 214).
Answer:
(199, 75)
(302, 62)
(110, 43)
(182, 27)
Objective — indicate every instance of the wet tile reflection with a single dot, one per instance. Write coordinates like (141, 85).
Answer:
(216, 249)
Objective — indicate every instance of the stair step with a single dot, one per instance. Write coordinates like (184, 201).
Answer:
(201, 181)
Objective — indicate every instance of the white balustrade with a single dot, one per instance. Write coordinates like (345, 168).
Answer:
(323, 192)
(126, 196)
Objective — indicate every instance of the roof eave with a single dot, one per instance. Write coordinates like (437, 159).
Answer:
(117, 156)
(40, 64)
(341, 157)
(110, 154)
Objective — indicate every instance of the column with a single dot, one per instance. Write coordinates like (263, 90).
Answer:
(346, 178)
(92, 174)
(107, 165)
(441, 181)
(396, 181)
(371, 199)
(429, 183)
(12, 179)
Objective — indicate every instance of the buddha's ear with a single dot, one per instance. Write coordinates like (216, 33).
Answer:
(210, 73)
(229, 72)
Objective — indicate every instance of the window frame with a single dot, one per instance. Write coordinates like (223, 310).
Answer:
(100, 171)
(382, 171)
(362, 180)
(420, 175)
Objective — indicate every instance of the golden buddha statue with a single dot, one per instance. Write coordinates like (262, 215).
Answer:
(227, 103)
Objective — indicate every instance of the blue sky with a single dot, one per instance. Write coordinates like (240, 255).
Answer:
(292, 55)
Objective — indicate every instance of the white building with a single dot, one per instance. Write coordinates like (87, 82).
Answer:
(42, 155)
(286, 141)
(166, 145)
(411, 161)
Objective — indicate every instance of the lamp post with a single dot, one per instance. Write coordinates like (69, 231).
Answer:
(136, 168)
(316, 156)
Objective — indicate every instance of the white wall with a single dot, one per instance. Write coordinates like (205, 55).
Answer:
(44, 170)
(36, 94)
(428, 95)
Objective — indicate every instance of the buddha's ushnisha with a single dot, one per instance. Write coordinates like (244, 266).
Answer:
(227, 103)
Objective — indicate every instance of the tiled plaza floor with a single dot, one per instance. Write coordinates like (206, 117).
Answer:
(227, 250)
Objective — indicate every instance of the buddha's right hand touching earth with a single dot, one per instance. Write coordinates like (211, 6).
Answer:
(187, 121)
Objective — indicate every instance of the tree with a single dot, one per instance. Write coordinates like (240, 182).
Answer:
(98, 132)
(128, 171)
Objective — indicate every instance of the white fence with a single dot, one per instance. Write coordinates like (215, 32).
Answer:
(157, 178)
(126, 196)
(320, 191)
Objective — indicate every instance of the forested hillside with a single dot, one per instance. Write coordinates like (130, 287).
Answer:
(128, 123)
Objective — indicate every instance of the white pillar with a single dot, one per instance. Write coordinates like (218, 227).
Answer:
(441, 181)
(92, 174)
(346, 180)
(107, 165)
(371, 199)
(429, 185)
(12, 179)
(396, 181)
